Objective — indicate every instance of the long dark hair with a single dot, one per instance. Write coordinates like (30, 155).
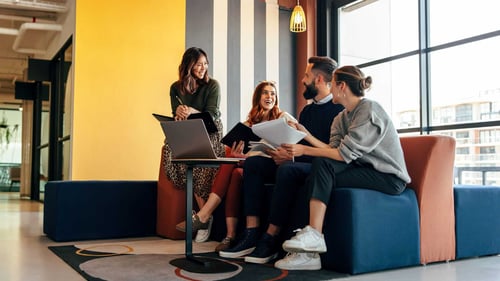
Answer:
(188, 83)
(257, 114)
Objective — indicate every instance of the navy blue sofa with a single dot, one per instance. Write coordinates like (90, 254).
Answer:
(84, 210)
(367, 231)
(477, 214)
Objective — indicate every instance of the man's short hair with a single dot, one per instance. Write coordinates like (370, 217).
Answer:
(325, 65)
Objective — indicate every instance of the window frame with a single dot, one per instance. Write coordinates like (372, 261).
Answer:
(327, 45)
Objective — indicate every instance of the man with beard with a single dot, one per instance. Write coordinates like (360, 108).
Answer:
(258, 171)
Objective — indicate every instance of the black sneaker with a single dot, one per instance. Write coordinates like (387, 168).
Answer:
(265, 250)
(244, 245)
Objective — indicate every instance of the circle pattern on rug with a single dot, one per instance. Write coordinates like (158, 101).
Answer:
(146, 267)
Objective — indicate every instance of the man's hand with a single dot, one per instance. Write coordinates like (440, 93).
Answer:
(279, 155)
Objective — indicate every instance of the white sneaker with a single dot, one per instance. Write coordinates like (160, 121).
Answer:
(202, 235)
(307, 240)
(299, 261)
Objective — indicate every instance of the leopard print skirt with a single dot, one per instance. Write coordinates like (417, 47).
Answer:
(203, 178)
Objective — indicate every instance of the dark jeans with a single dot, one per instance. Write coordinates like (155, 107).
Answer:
(290, 177)
(257, 171)
(327, 174)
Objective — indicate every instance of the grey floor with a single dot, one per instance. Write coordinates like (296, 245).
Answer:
(24, 254)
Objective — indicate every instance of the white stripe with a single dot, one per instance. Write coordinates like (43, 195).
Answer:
(246, 56)
(219, 60)
(272, 41)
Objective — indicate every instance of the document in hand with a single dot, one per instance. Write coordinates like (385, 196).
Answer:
(260, 147)
(277, 132)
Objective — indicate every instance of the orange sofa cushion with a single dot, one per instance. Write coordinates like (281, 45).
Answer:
(430, 160)
(171, 208)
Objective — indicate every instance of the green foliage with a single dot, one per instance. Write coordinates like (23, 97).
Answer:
(7, 131)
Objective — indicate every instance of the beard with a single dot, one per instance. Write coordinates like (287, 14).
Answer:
(311, 92)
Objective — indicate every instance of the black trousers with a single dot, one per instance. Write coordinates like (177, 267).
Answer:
(257, 172)
(290, 180)
(327, 174)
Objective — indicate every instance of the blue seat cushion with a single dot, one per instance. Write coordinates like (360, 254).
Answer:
(367, 230)
(477, 215)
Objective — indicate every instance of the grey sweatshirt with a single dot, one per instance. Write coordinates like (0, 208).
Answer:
(367, 135)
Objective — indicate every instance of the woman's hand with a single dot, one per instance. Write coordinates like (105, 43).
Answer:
(294, 149)
(293, 124)
(301, 128)
(237, 149)
(182, 112)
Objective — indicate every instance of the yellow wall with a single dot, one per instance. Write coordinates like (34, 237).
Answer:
(126, 57)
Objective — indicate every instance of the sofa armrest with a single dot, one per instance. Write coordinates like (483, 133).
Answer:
(430, 160)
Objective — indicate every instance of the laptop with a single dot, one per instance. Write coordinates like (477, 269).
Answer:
(189, 141)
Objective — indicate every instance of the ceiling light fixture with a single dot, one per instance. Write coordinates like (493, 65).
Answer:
(298, 19)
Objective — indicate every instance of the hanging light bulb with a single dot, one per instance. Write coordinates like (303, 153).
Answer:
(298, 19)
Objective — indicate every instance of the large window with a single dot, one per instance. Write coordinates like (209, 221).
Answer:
(10, 146)
(434, 66)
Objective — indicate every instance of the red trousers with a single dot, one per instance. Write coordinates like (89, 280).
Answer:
(227, 183)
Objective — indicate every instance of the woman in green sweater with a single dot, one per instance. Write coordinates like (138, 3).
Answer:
(195, 92)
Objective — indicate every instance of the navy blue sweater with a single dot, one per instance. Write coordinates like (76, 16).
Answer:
(317, 118)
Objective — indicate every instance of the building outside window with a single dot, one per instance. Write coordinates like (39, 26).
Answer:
(490, 110)
(464, 113)
(439, 57)
(463, 150)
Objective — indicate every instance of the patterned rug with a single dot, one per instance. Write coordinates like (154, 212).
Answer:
(150, 260)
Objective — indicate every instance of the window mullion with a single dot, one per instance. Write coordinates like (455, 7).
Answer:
(424, 69)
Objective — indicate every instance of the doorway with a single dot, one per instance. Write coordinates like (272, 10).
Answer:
(51, 128)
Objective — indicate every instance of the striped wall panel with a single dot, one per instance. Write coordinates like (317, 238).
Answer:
(247, 41)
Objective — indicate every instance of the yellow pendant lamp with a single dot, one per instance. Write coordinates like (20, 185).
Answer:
(298, 19)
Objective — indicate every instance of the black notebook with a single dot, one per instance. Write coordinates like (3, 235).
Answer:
(205, 116)
(163, 118)
(240, 132)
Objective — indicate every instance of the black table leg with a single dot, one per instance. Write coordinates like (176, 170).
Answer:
(190, 262)
(189, 210)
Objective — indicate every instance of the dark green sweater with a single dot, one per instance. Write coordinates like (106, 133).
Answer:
(205, 99)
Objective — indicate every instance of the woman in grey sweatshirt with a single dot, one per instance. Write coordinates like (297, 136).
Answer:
(364, 151)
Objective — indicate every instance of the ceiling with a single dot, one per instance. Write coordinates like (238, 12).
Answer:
(26, 29)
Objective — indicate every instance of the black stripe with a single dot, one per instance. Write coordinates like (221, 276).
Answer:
(287, 62)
